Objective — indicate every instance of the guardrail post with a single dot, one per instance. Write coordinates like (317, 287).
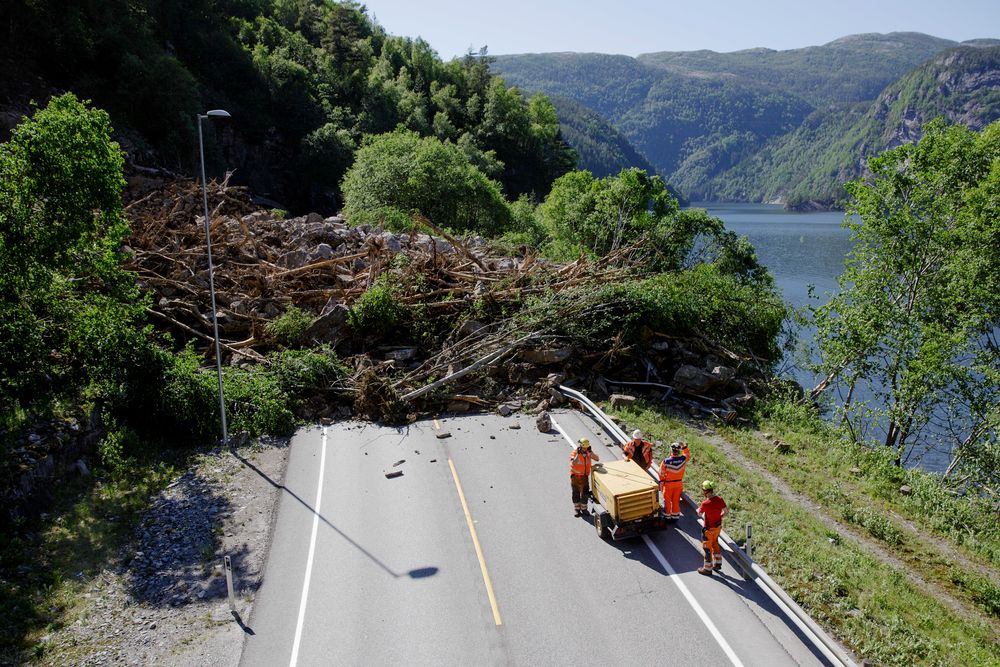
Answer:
(229, 584)
(748, 545)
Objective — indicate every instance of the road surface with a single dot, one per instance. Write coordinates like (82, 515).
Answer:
(473, 557)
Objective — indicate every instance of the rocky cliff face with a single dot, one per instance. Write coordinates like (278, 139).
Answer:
(962, 85)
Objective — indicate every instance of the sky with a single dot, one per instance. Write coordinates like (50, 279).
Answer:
(631, 27)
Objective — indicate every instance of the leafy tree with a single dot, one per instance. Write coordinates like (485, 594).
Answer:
(599, 216)
(69, 313)
(919, 306)
(400, 173)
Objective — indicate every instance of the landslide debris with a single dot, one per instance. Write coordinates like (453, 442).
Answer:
(471, 308)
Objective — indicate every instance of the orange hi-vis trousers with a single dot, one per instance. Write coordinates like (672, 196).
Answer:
(671, 492)
(710, 543)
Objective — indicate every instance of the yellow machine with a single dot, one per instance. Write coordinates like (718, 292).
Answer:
(625, 500)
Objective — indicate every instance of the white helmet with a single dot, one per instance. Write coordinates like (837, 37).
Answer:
(637, 434)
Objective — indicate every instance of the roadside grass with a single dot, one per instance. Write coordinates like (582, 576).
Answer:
(820, 457)
(48, 565)
(820, 466)
(872, 608)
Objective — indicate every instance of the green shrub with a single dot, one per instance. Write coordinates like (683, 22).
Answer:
(187, 405)
(256, 403)
(984, 592)
(876, 523)
(377, 311)
(299, 372)
(290, 329)
(698, 302)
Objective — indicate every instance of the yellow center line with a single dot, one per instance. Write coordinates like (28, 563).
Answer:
(475, 541)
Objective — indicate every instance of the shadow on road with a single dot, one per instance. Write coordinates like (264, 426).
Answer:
(417, 573)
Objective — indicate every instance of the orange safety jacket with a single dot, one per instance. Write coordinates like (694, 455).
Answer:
(672, 468)
(643, 448)
(580, 462)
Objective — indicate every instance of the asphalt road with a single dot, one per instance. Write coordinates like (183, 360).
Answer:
(473, 557)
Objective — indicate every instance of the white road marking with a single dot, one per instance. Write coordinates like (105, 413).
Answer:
(672, 575)
(309, 560)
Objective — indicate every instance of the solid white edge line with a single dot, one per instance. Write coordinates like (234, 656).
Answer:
(309, 559)
(733, 658)
(672, 575)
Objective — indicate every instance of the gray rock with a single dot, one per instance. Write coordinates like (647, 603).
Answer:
(723, 373)
(323, 251)
(694, 380)
(546, 356)
(390, 242)
(620, 400)
(469, 327)
(327, 327)
(544, 422)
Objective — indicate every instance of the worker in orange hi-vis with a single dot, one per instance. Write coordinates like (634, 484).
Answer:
(639, 450)
(581, 462)
(712, 510)
(672, 470)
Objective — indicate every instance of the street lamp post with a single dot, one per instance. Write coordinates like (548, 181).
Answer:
(215, 113)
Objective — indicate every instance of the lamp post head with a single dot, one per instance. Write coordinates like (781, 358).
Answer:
(216, 113)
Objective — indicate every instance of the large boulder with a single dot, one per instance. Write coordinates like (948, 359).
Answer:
(327, 327)
(694, 380)
(621, 400)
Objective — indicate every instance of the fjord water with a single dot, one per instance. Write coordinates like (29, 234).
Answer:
(802, 249)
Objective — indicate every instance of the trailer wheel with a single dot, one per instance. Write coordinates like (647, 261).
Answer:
(601, 521)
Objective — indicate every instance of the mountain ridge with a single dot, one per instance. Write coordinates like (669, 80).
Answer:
(703, 116)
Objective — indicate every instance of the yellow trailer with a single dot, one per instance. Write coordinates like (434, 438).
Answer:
(625, 500)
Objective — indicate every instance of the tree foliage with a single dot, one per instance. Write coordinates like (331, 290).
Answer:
(68, 311)
(304, 80)
(598, 216)
(918, 313)
(400, 173)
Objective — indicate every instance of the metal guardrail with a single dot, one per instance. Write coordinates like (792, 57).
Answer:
(816, 635)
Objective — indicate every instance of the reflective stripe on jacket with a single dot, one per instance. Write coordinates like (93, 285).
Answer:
(672, 468)
(580, 463)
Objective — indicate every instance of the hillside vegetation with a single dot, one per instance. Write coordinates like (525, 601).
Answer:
(764, 125)
(303, 80)
(809, 165)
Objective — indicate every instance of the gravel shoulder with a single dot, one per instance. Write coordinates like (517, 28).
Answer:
(164, 601)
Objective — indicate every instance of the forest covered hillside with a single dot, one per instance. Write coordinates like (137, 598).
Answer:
(765, 125)
(601, 148)
(808, 167)
(304, 82)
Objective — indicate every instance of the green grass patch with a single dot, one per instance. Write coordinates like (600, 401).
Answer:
(872, 608)
(45, 567)
(861, 486)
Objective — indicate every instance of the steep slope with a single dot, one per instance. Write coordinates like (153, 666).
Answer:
(807, 167)
(761, 124)
(608, 84)
(602, 149)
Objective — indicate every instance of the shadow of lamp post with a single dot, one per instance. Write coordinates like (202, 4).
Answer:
(215, 113)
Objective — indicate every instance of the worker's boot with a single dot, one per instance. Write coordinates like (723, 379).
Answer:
(707, 571)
